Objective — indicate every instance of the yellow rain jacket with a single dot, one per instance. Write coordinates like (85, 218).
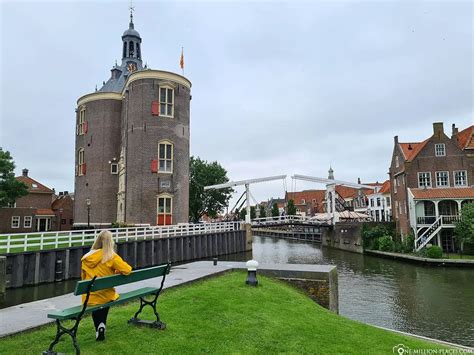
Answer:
(92, 266)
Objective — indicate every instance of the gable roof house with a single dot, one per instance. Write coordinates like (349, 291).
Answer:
(30, 213)
(430, 181)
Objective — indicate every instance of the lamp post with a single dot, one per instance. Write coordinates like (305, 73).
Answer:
(88, 203)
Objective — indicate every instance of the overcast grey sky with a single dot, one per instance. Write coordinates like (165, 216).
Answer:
(279, 87)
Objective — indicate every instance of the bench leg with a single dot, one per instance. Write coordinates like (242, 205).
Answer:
(153, 324)
(60, 331)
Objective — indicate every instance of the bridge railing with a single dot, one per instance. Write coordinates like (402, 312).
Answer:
(284, 220)
(19, 242)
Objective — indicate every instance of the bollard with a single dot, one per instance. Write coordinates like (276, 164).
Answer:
(214, 261)
(3, 275)
(58, 275)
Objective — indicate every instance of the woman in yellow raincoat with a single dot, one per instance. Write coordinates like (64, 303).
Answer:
(101, 261)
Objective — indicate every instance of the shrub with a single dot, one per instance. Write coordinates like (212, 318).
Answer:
(434, 252)
(371, 233)
(409, 243)
(386, 243)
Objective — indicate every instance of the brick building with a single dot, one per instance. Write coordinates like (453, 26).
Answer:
(431, 180)
(132, 145)
(308, 202)
(30, 213)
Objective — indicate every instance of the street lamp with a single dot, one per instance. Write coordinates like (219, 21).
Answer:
(88, 203)
(252, 266)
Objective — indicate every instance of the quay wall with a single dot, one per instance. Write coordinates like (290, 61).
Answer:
(344, 236)
(36, 267)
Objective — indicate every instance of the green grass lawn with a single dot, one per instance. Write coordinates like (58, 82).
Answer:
(224, 316)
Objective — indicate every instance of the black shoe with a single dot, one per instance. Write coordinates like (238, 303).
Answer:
(100, 333)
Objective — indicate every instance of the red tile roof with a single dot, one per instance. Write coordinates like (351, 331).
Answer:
(450, 192)
(385, 189)
(351, 192)
(308, 196)
(411, 150)
(465, 138)
(44, 212)
(33, 185)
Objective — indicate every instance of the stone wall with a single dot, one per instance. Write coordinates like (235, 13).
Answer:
(345, 236)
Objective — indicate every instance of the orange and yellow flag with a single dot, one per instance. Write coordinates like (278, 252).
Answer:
(181, 61)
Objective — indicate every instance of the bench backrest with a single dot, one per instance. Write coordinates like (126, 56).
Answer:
(102, 283)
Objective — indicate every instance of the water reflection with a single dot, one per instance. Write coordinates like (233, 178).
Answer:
(435, 302)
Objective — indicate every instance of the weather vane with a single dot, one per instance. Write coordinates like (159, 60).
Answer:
(132, 8)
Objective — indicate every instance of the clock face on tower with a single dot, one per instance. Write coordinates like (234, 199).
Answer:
(131, 67)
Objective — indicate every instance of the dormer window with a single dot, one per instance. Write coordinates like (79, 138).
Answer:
(35, 186)
(440, 150)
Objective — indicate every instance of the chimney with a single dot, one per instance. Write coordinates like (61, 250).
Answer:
(66, 192)
(395, 139)
(455, 131)
(358, 180)
(438, 129)
(24, 172)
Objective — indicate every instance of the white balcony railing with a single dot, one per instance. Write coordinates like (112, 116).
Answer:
(448, 220)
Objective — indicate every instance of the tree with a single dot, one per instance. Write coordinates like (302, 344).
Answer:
(210, 202)
(253, 212)
(275, 211)
(263, 213)
(464, 229)
(243, 213)
(290, 208)
(10, 188)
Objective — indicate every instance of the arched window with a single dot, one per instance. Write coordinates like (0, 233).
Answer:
(165, 157)
(131, 49)
(164, 210)
(139, 55)
(124, 54)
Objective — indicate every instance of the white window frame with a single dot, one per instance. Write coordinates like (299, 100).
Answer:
(438, 174)
(440, 150)
(166, 104)
(455, 181)
(395, 185)
(80, 161)
(15, 222)
(167, 161)
(429, 177)
(81, 120)
(397, 161)
(112, 171)
(28, 219)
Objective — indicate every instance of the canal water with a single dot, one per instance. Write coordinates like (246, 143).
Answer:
(436, 302)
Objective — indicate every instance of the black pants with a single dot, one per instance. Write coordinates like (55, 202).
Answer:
(100, 316)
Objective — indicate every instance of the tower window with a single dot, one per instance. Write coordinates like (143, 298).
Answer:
(165, 210)
(165, 155)
(139, 55)
(124, 54)
(114, 168)
(81, 165)
(131, 49)
(82, 125)
(166, 102)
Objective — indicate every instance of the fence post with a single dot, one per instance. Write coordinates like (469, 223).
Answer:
(24, 242)
(8, 243)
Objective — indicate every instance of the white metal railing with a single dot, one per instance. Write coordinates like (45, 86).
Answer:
(264, 221)
(19, 242)
(428, 234)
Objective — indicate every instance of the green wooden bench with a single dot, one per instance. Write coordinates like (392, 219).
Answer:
(100, 283)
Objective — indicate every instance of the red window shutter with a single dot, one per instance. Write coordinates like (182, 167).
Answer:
(168, 219)
(154, 166)
(155, 108)
(160, 220)
(85, 126)
(84, 169)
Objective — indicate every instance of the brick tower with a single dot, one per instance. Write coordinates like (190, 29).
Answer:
(132, 145)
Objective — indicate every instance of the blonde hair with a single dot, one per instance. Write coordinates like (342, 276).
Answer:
(105, 242)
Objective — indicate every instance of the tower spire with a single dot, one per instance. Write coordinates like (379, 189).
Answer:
(132, 8)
